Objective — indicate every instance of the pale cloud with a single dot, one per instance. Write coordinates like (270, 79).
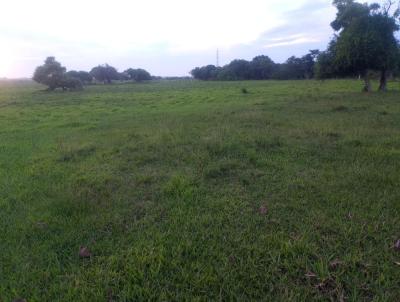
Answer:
(292, 40)
(166, 37)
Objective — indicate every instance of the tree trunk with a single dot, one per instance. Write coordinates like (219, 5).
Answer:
(383, 81)
(367, 83)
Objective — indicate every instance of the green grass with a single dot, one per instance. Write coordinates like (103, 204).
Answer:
(164, 182)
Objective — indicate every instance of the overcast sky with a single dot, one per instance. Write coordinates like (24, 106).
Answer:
(166, 37)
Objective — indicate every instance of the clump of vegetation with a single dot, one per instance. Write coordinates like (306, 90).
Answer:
(244, 91)
(105, 73)
(54, 76)
(341, 108)
(84, 76)
(138, 75)
(260, 68)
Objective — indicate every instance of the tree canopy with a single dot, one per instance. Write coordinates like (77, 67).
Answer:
(205, 73)
(365, 41)
(138, 75)
(53, 75)
(105, 73)
(260, 68)
(84, 76)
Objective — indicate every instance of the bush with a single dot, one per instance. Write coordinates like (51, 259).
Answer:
(72, 84)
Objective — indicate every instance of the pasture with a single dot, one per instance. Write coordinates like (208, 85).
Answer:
(196, 191)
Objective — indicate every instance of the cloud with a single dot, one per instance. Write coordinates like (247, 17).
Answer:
(302, 28)
(292, 40)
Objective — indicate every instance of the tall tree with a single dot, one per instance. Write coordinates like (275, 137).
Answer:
(366, 39)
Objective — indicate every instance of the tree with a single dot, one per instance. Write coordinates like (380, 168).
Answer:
(281, 72)
(239, 70)
(138, 75)
(325, 67)
(83, 76)
(366, 39)
(295, 68)
(51, 74)
(328, 67)
(73, 74)
(105, 73)
(308, 62)
(262, 68)
(123, 76)
(396, 72)
(205, 73)
(71, 83)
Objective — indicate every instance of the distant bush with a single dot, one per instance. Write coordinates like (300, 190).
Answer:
(84, 76)
(138, 75)
(72, 84)
(206, 73)
(105, 73)
(53, 75)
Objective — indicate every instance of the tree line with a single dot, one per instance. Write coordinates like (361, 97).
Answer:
(260, 68)
(54, 75)
(364, 44)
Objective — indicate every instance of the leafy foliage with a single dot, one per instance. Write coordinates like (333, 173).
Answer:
(105, 73)
(51, 74)
(260, 68)
(84, 76)
(205, 73)
(72, 83)
(365, 41)
(138, 75)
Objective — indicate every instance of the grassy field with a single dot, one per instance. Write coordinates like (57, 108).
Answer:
(190, 191)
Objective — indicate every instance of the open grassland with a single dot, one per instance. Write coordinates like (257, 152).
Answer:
(196, 191)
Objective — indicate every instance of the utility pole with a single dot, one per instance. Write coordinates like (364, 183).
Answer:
(217, 57)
